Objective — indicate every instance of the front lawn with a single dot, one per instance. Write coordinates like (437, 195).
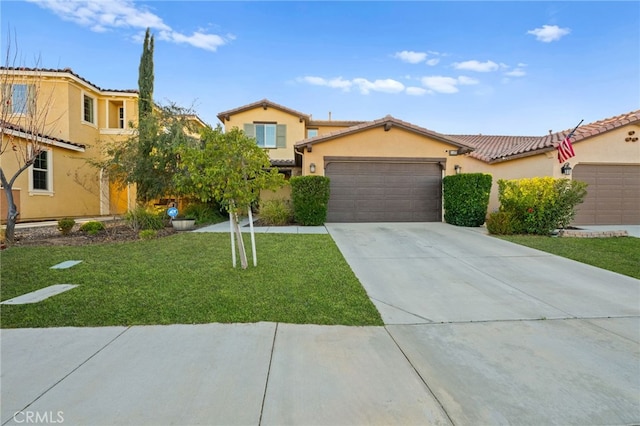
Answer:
(618, 254)
(186, 279)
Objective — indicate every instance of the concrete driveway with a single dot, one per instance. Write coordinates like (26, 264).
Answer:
(479, 332)
(501, 333)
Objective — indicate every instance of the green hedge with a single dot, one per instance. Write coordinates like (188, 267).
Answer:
(310, 196)
(466, 198)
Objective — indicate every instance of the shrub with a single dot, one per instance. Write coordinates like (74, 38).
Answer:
(148, 234)
(203, 212)
(540, 205)
(466, 197)
(500, 223)
(65, 225)
(141, 219)
(92, 227)
(276, 212)
(310, 196)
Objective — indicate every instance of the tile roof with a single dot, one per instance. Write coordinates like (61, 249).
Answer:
(386, 122)
(337, 123)
(283, 163)
(265, 103)
(47, 139)
(493, 149)
(66, 71)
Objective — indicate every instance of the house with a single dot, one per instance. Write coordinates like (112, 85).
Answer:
(391, 170)
(81, 119)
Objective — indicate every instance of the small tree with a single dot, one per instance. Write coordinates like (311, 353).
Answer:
(147, 125)
(229, 168)
(24, 120)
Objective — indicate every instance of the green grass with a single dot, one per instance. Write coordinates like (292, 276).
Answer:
(186, 279)
(619, 254)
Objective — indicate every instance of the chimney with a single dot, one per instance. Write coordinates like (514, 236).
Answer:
(329, 115)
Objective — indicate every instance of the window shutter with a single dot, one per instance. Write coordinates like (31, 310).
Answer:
(281, 136)
(250, 130)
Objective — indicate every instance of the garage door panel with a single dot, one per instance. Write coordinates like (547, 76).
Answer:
(613, 194)
(384, 191)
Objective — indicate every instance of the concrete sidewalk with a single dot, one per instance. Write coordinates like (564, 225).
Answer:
(244, 224)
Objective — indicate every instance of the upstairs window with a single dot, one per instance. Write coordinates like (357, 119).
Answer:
(267, 135)
(312, 133)
(121, 118)
(18, 99)
(88, 109)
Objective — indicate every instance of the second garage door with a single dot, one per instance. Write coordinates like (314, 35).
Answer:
(613, 194)
(384, 191)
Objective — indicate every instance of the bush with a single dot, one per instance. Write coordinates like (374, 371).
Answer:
(499, 223)
(92, 227)
(540, 205)
(276, 212)
(466, 197)
(310, 196)
(148, 234)
(141, 219)
(65, 225)
(203, 212)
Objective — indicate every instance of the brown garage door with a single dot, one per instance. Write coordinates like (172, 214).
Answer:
(384, 191)
(613, 194)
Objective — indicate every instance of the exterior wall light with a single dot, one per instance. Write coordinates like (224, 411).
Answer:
(566, 169)
(457, 168)
(312, 167)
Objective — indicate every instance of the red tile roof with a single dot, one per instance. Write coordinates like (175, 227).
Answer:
(386, 122)
(492, 149)
(264, 103)
(66, 71)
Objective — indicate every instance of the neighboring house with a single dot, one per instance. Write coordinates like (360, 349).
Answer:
(81, 119)
(391, 170)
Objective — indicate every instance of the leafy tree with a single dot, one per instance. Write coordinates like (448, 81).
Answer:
(229, 168)
(24, 121)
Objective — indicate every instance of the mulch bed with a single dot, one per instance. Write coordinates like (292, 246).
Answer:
(51, 236)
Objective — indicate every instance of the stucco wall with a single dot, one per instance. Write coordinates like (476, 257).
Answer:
(377, 142)
(295, 128)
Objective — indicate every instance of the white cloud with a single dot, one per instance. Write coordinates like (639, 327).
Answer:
(411, 56)
(476, 66)
(102, 16)
(517, 72)
(549, 33)
(387, 86)
(336, 83)
(415, 91)
(433, 61)
(442, 84)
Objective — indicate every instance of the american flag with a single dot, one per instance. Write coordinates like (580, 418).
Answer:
(565, 149)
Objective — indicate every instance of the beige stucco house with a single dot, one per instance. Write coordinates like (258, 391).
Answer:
(391, 170)
(81, 118)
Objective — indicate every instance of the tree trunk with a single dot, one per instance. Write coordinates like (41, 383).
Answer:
(12, 211)
(241, 250)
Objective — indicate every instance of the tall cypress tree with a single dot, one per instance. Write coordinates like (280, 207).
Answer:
(146, 127)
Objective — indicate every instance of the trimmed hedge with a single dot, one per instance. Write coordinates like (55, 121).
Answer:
(310, 196)
(466, 198)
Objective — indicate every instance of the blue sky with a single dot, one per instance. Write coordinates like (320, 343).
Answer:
(515, 68)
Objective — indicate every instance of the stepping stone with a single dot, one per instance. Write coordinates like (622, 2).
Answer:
(66, 264)
(39, 295)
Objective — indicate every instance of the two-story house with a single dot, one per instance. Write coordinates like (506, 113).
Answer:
(392, 170)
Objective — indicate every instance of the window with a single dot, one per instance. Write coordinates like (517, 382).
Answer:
(88, 114)
(121, 118)
(312, 133)
(267, 135)
(18, 99)
(40, 172)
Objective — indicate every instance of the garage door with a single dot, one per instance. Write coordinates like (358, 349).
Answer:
(384, 191)
(613, 195)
